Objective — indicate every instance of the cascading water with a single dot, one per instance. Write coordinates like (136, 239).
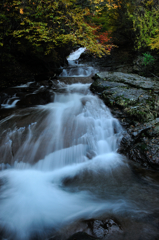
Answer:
(59, 165)
(77, 70)
(10, 103)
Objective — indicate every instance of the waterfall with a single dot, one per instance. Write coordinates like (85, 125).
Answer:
(59, 164)
(76, 54)
(77, 133)
(77, 70)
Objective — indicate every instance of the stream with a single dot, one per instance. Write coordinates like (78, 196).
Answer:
(59, 167)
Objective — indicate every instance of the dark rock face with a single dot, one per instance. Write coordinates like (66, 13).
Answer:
(120, 59)
(28, 95)
(141, 143)
(134, 100)
(81, 236)
(39, 98)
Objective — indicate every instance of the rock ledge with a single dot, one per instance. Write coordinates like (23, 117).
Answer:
(134, 100)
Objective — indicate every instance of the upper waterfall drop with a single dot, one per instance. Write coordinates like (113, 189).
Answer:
(77, 70)
(76, 54)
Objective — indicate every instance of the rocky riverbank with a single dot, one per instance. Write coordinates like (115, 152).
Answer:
(134, 100)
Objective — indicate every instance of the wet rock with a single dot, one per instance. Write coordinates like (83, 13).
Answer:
(90, 154)
(39, 98)
(132, 80)
(26, 95)
(96, 229)
(141, 143)
(134, 100)
(86, 56)
(136, 95)
(100, 228)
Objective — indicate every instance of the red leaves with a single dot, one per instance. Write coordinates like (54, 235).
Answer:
(104, 38)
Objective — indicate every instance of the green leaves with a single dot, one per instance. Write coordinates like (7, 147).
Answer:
(145, 24)
(148, 59)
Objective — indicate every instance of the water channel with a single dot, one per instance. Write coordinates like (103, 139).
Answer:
(59, 167)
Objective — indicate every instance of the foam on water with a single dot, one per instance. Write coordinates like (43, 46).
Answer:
(78, 127)
(78, 72)
(62, 167)
(32, 201)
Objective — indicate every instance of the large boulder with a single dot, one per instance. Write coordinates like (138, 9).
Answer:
(136, 95)
(134, 100)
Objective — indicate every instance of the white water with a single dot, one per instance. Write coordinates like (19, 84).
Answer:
(24, 85)
(78, 127)
(63, 166)
(76, 70)
(10, 103)
(76, 54)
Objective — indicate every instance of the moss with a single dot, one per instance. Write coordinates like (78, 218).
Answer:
(143, 147)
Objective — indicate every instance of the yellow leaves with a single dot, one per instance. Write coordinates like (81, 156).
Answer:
(150, 2)
(66, 2)
(155, 41)
(21, 11)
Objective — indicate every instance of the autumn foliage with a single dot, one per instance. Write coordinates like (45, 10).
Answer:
(43, 25)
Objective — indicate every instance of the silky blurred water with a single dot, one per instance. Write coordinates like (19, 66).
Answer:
(59, 165)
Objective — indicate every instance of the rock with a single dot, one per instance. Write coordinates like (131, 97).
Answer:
(81, 236)
(86, 56)
(141, 143)
(101, 228)
(136, 95)
(132, 80)
(96, 229)
(3, 97)
(138, 64)
(38, 98)
(134, 101)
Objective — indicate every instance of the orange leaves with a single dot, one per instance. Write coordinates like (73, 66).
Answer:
(104, 38)
(21, 11)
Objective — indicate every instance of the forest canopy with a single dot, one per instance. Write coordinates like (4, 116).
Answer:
(40, 27)
(43, 25)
